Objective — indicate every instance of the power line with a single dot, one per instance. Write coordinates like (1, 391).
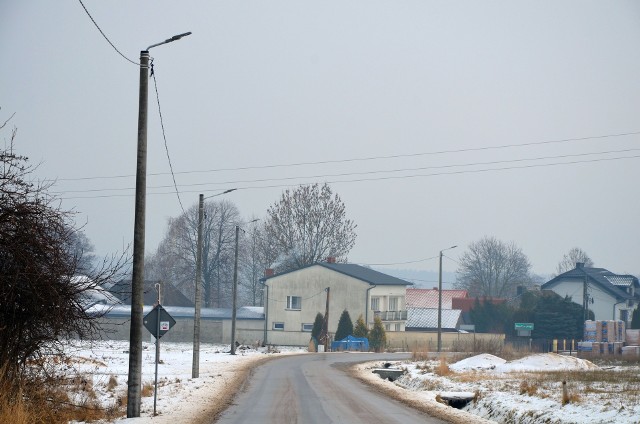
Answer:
(361, 173)
(401, 263)
(166, 147)
(104, 35)
(362, 159)
(377, 178)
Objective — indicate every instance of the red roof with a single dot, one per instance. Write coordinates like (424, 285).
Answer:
(428, 298)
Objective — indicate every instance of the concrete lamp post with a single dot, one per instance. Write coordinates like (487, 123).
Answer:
(195, 364)
(235, 290)
(137, 283)
(440, 299)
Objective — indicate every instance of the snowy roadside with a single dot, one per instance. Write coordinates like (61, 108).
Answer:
(522, 391)
(528, 390)
(180, 398)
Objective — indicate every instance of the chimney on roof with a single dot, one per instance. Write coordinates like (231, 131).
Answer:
(268, 272)
(579, 265)
(331, 259)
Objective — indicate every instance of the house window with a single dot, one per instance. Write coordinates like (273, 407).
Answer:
(387, 327)
(393, 303)
(307, 327)
(294, 302)
(624, 315)
(375, 303)
(278, 326)
(397, 326)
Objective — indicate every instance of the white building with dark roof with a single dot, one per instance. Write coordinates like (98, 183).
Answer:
(610, 296)
(294, 298)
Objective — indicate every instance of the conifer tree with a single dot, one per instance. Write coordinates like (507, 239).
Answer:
(360, 329)
(317, 326)
(345, 326)
(377, 336)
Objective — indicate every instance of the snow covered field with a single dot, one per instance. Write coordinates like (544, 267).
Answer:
(528, 390)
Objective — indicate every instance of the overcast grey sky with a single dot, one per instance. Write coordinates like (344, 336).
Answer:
(287, 82)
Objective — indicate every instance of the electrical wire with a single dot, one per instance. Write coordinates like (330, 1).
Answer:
(104, 35)
(371, 158)
(166, 146)
(261, 187)
(400, 263)
(363, 172)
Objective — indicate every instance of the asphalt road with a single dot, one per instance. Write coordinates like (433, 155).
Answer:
(315, 388)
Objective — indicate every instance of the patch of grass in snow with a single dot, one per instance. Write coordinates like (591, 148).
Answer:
(443, 369)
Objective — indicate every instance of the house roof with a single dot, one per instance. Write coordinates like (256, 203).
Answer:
(602, 277)
(177, 312)
(359, 272)
(428, 298)
(171, 296)
(427, 318)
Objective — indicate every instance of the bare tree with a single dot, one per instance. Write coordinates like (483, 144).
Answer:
(40, 300)
(570, 259)
(256, 257)
(174, 260)
(492, 268)
(309, 224)
(82, 248)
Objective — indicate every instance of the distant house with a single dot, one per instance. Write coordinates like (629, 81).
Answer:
(171, 296)
(608, 295)
(294, 298)
(422, 309)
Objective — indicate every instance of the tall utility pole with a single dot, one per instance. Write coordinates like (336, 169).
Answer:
(235, 291)
(195, 366)
(440, 299)
(137, 279)
(137, 283)
(234, 295)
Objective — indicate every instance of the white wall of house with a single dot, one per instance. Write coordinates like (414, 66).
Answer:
(603, 302)
(290, 323)
(390, 301)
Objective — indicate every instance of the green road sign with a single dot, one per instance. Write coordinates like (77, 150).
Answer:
(524, 326)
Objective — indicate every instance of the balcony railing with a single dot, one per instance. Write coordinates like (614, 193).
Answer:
(391, 315)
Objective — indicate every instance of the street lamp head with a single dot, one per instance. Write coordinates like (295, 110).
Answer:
(220, 194)
(169, 40)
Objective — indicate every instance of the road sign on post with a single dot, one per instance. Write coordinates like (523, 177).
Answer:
(158, 322)
(158, 329)
(524, 326)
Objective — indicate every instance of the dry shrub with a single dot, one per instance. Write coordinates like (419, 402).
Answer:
(420, 354)
(41, 398)
(112, 383)
(528, 388)
(443, 368)
(147, 390)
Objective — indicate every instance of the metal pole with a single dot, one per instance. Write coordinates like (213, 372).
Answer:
(235, 296)
(195, 368)
(440, 304)
(137, 279)
(326, 323)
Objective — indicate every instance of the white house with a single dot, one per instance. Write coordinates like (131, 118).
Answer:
(610, 296)
(294, 298)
